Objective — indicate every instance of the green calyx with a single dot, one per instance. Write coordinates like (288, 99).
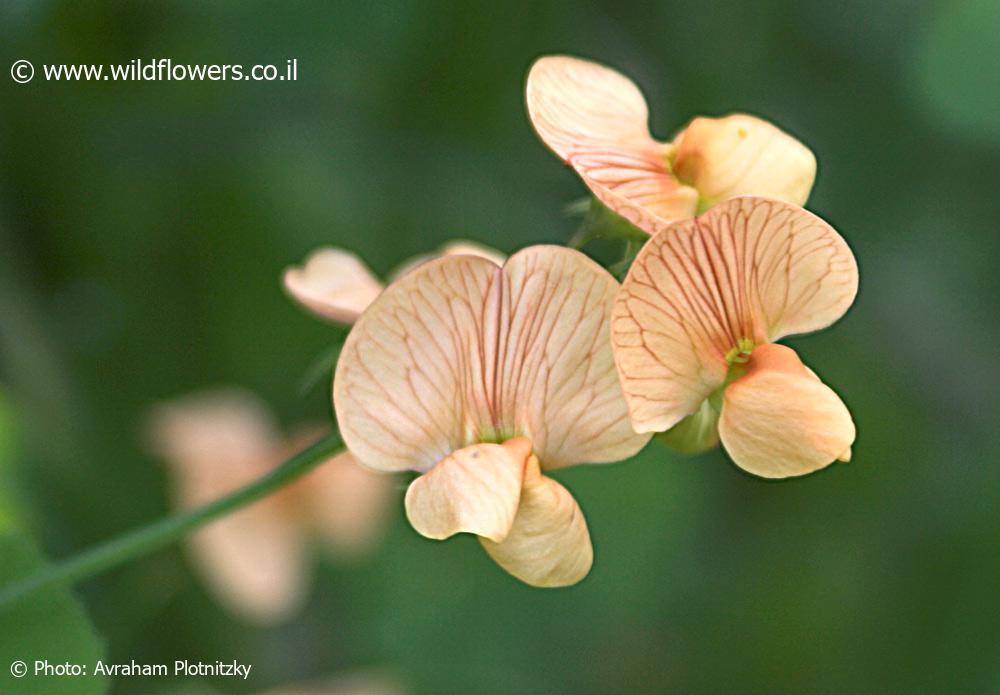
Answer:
(740, 354)
(600, 222)
(494, 436)
(699, 431)
(696, 433)
(738, 360)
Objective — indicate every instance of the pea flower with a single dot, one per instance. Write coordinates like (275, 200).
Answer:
(596, 120)
(694, 326)
(481, 378)
(256, 560)
(337, 286)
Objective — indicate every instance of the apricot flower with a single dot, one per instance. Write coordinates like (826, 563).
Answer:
(694, 326)
(336, 285)
(255, 560)
(596, 120)
(480, 378)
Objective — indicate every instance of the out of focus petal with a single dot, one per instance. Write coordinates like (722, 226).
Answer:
(548, 544)
(461, 247)
(557, 383)
(780, 420)
(333, 284)
(743, 155)
(214, 443)
(254, 560)
(453, 248)
(474, 490)
(747, 272)
(595, 119)
(347, 503)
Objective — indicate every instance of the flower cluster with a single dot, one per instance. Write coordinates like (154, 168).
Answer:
(482, 374)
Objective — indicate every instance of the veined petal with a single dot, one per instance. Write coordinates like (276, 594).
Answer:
(743, 155)
(748, 271)
(333, 284)
(548, 544)
(459, 351)
(780, 420)
(556, 382)
(414, 377)
(474, 490)
(214, 443)
(595, 119)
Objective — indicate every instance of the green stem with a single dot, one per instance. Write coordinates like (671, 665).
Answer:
(601, 222)
(165, 531)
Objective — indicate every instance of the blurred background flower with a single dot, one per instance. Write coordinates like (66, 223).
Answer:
(144, 227)
(257, 560)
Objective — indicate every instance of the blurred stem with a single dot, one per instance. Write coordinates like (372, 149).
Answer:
(165, 531)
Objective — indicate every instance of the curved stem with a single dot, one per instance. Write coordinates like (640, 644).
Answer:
(165, 531)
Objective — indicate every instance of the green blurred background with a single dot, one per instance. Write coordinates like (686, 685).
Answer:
(144, 225)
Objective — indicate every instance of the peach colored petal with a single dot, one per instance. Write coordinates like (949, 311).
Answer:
(333, 284)
(557, 382)
(548, 544)
(461, 247)
(474, 490)
(780, 420)
(458, 247)
(347, 503)
(214, 443)
(254, 560)
(595, 119)
(743, 155)
(414, 374)
(459, 351)
(749, 269)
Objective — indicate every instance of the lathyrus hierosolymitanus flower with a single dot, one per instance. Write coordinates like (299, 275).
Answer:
(596, 120)
(256, 560)
(480, 378)
(694, 330)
